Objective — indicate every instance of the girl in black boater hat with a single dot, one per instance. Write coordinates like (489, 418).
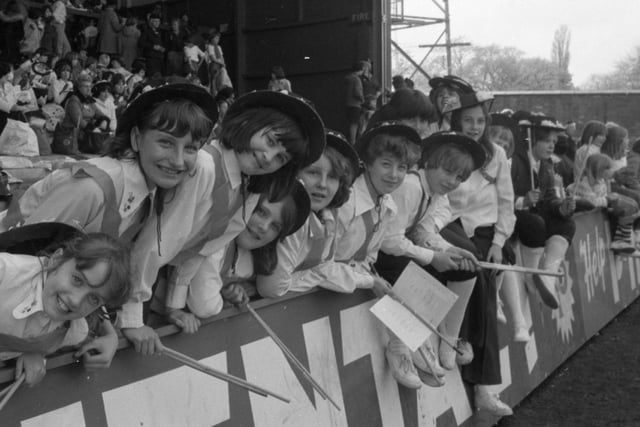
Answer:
(328, 181)
(483, 209)
(447, 160)
(155, 149)
(264, 135)
(253, 251)
(544, 223)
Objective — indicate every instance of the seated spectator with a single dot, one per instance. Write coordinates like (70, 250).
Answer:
(9, 106)
(69, 134)
(593, 187)
(544, 221)
(138, 76)
(116, 67)
(62, 86)
(76, 65)
(593, 137)
(104, 60)
(279, 82)
(91, 68)
(104, 103)
(119, 93)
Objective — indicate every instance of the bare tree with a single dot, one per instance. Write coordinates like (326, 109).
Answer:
(561, 55)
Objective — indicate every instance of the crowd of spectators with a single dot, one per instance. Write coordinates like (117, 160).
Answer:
(68, 68)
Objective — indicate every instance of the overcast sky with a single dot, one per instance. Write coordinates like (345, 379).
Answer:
(602, 31)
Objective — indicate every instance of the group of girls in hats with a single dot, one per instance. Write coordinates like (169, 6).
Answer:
(278, 203)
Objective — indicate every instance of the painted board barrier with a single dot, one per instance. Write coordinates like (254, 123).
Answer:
(341, 343)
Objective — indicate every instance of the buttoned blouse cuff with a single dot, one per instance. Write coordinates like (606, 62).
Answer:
(130, 316)
(520, 203)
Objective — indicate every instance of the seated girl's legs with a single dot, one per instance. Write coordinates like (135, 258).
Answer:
(481, 322)
(462, 284)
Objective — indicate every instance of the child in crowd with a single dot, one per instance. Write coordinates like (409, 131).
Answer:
(264, 133)
(388, 150)
(279, 82)
(305, 259)
(411, 108)
(482, 208)
(593, 136)
(616, 145)
(193, 55)
(593, 186)
(544, 220)
(504, 132)
(447, 160)
(138, 76)
(104, 105)
(62, 86)
(445, 94)
(253, 251)
(45, 300)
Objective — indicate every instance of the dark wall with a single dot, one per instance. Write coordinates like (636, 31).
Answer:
(316, 42)
(620, 107)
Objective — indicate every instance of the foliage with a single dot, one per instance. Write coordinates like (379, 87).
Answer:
(625, 76)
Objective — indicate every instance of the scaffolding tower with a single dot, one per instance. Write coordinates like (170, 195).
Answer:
(400, 21)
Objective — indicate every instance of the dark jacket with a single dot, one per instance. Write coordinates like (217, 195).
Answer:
(148, 39)
(544, 181)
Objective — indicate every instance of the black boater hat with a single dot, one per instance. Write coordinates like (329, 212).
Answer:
(303, 206)
(438, 139)
(166, 92)
(390, 128)
(468, 100)
(339, 142)
(298, 108)
(454, 82)
(538, 120)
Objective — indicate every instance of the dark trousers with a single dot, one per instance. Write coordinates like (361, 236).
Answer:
(480, 325)
(533, 229)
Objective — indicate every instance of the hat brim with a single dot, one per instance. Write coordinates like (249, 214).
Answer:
(303, 206)
(169, 92)
(435, 141)
(395, 129)
(295, 107)
(342, 146)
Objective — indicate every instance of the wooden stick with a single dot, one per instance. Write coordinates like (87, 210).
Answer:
(186, 360)
(422, 320)
(520, 269)
(533, 182)
(289, 355)
(11, 390)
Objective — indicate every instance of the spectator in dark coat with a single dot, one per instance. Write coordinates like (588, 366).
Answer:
(109, 26)
(152, 46)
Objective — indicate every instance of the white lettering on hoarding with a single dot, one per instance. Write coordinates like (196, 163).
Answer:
(67, 416)
(593, 254)
(265, 364)
(180, 397)
(362, 336)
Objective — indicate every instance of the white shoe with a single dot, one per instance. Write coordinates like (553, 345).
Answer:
(402, 369)
(467, 353)
(431, 364)
(521, 333)
(491, 403)
(447, 354)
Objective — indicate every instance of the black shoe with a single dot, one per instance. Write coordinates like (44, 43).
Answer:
(548, 297)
